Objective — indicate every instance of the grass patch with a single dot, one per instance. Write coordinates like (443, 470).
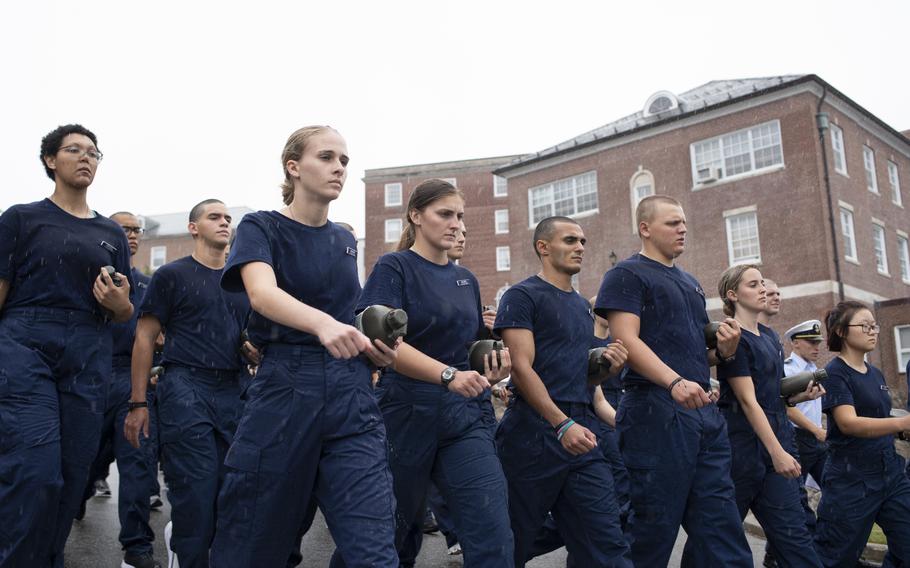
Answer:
(877, 536)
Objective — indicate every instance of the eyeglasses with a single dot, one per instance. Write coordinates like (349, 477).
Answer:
(77, 152)
(867, 327)
(131, 230)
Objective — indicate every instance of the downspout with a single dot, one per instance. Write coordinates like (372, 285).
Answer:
(821, 122)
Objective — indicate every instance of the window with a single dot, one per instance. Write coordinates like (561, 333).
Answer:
(392, 230)
(846, 227)
(742, 236)
(641, 186)
(895, 181)
(158, 257)
(503, 259)
(869, 163)
(499, 294)
(568, 197)
(878, 245)
(502, 221)
(837, 146)
(737, 153)
(392, 194)
(500, 186)
(903, 255)
(902, 346)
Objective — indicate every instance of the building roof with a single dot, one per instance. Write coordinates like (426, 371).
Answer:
(710, 95)
(453, 166)
(175, 223)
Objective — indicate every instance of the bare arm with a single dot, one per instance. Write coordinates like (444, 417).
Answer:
(4, 291)
(863, 427)
(413, 363)
(626, 327)
(603, 409)
(797, 417)
(577, 439)
(744, 389)
(147, 330)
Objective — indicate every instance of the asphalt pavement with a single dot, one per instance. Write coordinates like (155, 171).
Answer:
(93, 541)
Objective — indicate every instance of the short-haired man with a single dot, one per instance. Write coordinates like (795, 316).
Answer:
(772, 302)
(546, 438)
(674, 439)
(199, 393)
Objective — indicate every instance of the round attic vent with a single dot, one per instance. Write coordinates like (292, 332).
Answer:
(660, 102)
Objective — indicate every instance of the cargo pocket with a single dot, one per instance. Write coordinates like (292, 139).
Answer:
(644, 486)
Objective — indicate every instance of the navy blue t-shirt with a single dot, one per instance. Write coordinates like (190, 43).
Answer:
(125, 333)
(563, 328)
(442, 303)
(51, 258)
(867, 393)
(762, 358)
(671, 306)
(315, 265)
(202, 322)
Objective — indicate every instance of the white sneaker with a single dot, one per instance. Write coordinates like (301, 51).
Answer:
(455, 549)
(171, 557)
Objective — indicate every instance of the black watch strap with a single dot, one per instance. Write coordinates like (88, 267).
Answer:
(134, 405)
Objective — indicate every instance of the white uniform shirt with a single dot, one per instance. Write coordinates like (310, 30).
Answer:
(812, 409)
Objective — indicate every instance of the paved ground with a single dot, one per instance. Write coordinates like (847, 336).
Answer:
(93, 541)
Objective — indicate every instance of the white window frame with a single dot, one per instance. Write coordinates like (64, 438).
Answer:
(154, 252)
(503, 259)
(894, 180)
(846, 213)
(548, 189)
(699, 183)
(499, 294)
(837, 148)
(741, 213)
(389, 188)
(501, 221)
(899, 349)
(500, 186)
(390, 224)
(903, 255)
(869, 167)
(634, 184)
(880, 242)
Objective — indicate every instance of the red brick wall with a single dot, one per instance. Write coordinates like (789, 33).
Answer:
(178, 246)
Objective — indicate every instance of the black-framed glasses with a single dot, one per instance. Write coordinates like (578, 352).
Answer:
(130, 230)
(867, 327)
(77, 152)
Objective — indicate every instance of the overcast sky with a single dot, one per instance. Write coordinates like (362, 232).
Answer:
(192, 100)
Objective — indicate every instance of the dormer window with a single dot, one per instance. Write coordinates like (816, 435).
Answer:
(660, 102)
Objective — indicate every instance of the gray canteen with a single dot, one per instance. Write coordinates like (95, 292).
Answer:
(479, 350)
(111, 271)
(711, 334)
(596, 363)
(795, 384)
(382, 323)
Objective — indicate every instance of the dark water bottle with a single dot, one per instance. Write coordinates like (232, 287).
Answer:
(111, 271)
(479, 350)
(795, 384)
(711, 334)
(382, 323)
(596, 363)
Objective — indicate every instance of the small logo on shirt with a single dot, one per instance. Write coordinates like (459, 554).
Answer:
(700, 291)
(462, 282)
(350, 251)
(884, 387)
(141, 285)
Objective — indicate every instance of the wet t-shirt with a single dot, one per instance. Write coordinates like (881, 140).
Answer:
(671, 306)
(51, 258)
(760, 357)
(867, 393)
(563, 328)
(124, 333)
(442, 303)
(315, 265)
(202, 322)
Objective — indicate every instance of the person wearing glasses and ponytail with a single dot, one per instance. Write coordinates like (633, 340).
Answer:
(864, 480)
(57, 305)
(437, 411)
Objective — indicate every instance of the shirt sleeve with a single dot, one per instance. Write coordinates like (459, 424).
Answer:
(739, 366)
(516, 310)
(159, 297)
(384, 287)
(837, 391)
(622, 291)
(9, 240)
(251, 244)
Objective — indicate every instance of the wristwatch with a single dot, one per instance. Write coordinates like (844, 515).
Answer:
(134, 405)
(448, 375)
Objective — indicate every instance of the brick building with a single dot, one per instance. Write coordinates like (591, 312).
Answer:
(746, 160)
(488, 245)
